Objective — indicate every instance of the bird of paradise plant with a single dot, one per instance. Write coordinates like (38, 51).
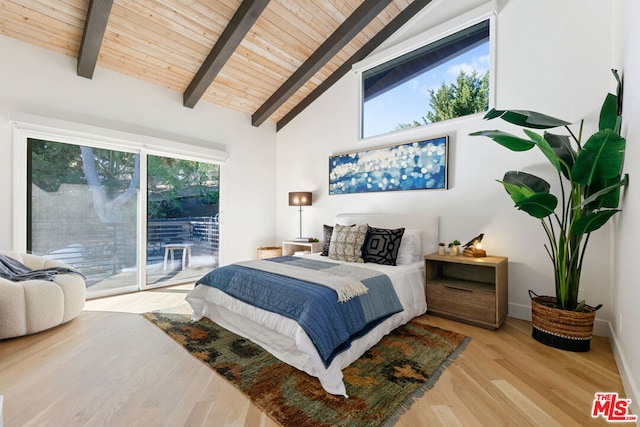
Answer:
(590, 178)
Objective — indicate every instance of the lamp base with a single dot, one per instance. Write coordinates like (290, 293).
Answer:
(475, 253)
(303, 239)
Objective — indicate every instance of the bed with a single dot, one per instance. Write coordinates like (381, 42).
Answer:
(287, 339)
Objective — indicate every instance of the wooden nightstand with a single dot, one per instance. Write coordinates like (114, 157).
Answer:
(289, 247)
(472, 290)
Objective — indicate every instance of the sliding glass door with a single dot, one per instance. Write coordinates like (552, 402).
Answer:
(85, 208)
(183, 233)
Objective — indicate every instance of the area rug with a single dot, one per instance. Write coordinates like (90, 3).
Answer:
(381, 385)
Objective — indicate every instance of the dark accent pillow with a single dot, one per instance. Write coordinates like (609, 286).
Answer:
(327, 232)
(381, 245)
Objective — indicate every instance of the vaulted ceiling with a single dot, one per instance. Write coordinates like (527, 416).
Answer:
(269, 59)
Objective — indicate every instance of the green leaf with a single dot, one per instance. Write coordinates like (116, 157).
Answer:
(611, 200)
(561, 145)
(591, 222)
(544, 146)
(530, 193)
(524, 118)
(506, 139)
(609, 113)
(527, 180)
(618, 92)
(539, 205)
(518, 193)
(607, 197)
(600, 158)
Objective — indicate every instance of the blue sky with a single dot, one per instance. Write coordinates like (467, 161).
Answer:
(410, 101)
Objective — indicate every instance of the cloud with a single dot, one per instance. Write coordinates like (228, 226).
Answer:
(479, 64)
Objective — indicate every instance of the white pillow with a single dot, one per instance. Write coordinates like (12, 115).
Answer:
(410, 247)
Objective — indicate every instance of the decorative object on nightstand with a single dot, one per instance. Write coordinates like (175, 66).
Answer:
(472, 290)
(454, 248)
(300, 199)
(473, 248)
(442, 249)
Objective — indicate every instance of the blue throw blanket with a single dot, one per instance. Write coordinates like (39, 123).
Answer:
(331, 325)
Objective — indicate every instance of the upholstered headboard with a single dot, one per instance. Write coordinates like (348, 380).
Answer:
(428, 224)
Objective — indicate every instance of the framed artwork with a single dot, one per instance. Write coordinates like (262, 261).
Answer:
(418, 165)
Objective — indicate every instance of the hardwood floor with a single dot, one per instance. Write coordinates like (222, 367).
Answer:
(111, 367)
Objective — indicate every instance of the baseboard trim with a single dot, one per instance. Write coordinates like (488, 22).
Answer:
(520, 311)
(628, 382)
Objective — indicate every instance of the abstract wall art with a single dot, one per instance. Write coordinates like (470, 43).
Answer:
(418, 165)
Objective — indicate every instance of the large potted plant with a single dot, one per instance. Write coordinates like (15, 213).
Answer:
(590, 178)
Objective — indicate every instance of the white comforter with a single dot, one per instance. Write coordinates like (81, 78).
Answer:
(287, 341)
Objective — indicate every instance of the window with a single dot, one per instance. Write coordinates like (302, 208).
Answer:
(182, 219)
(80, 201)
(82, 205)
(444, 79)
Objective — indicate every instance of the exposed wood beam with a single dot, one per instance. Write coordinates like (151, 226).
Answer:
(336, 41)
(393, 26)
(94, 28)
(242, 21)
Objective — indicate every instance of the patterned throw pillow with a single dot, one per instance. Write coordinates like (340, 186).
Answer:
(381, 245)
(346, 242)
(327, 233)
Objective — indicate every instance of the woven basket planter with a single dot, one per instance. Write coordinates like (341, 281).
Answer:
(559, 328)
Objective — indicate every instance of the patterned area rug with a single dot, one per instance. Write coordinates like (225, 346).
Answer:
(381, 385)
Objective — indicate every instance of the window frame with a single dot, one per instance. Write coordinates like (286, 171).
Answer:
(27, 126)
(486, 12)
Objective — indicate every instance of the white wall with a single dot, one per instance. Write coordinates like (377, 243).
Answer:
(44, 83)
(626, 292)
(549, 60)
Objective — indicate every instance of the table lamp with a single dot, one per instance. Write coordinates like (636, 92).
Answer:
(300, 199)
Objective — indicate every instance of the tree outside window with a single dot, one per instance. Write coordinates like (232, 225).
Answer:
(445, 79)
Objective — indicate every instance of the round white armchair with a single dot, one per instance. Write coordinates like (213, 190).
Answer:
(32, 306)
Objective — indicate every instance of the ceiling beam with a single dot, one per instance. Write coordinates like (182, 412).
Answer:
(393, 26)
(359, 19)
(231, 37)
(94, 27)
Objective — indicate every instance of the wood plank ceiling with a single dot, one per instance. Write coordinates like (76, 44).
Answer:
(269, 59)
